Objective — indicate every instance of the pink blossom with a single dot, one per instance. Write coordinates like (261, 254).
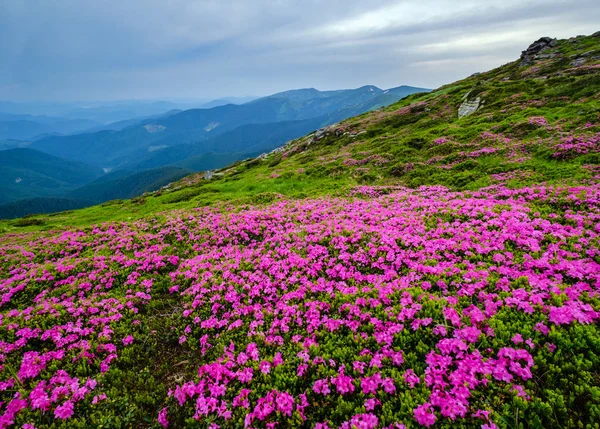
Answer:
(321, 386)
(162, 418)
(64, 411)
(424, 415)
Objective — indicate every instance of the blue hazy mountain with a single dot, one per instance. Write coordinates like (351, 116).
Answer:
(27, 127)
(28, 173)
(101, 113)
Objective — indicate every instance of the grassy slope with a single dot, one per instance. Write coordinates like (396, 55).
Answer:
(396, 144)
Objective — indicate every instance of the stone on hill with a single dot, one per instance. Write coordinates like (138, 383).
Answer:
(324, 132)
(538, 50)
(469, 107)
(327, 131)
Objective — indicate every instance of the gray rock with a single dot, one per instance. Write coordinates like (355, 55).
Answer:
(578, 62)
(469, 107)
(541, 46)
(596, 34)
(322, 132)
(546, 56)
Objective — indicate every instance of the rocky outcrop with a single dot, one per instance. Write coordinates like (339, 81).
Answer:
(540, 49)
(323, 132)
(580, 59)
(327, 131)
(469, 107)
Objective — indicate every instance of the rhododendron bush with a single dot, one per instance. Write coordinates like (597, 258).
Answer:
(393, 308)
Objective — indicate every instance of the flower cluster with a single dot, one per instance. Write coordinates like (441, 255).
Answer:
(373, 159)
(441, 140)
(539, 121)
(577, 145)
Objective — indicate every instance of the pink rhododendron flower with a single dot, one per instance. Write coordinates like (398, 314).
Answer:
(424, 415)
(64, 411)
(162, 418)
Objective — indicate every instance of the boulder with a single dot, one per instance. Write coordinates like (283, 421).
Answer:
(469, 107)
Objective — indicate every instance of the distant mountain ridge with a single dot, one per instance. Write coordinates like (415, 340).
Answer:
(98, 112)
(142, 154)
(26, 127)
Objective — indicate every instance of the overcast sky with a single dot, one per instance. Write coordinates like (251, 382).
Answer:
(66, 50)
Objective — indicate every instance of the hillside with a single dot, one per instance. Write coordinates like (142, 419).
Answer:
(27, 173)
(434, 263)
(249, 139)
(130, 185)
(33, 182)
(40, 205)
(121, 184)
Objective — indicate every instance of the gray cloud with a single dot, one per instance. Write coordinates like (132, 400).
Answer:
(119, 49)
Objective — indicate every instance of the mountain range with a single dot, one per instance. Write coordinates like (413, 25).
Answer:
(143, 154)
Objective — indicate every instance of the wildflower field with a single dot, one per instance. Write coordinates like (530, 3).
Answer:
(406, 270)
(414, 307)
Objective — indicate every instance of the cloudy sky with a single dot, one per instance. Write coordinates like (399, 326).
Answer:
(66, 50)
